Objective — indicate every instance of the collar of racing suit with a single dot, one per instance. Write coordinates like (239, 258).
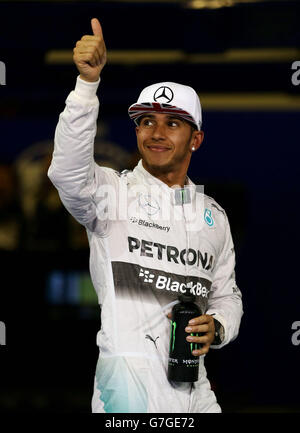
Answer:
(180, 195)
(152, 179)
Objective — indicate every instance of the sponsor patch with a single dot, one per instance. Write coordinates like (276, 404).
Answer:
(208, 217)
(138, 282)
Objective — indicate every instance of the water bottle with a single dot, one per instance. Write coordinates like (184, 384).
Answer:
(183, 366)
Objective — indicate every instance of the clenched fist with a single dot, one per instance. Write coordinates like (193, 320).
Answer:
(90, 53)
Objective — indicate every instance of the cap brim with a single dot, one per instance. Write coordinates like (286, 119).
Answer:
(137, 110)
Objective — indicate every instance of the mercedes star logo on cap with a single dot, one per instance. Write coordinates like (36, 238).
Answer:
(163, 94)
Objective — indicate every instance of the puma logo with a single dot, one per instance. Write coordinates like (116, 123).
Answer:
(150, 338)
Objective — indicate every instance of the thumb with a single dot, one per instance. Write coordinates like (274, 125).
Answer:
(96, 26)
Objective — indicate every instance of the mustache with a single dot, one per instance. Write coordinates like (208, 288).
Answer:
(157, 144)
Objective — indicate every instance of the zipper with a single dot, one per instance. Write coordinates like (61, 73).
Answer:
(183, 192)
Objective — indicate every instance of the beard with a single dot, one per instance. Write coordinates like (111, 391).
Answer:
(166, 165)
(158, 168)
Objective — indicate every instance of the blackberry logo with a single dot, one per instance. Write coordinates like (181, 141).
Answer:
(150, 224)
(148, 278)
(166, 282)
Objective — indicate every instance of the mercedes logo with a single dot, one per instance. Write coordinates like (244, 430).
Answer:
(165, 93)
(149, 204)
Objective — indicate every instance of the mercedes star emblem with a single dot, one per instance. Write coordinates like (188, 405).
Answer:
(149, 204)
(163, 94)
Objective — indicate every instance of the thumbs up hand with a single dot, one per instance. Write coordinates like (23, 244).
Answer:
(89, 54)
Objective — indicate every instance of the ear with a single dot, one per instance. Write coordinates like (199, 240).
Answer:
(196, 141)
(137, 128)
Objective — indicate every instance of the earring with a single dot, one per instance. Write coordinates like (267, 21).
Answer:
(193, 148)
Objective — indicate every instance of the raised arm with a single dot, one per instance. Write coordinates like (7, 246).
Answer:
(73, 170)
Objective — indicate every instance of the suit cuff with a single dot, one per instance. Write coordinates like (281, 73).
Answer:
(219, 333)
(220, 322)
(86, 90)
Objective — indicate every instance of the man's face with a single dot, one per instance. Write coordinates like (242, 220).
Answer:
(165, 141)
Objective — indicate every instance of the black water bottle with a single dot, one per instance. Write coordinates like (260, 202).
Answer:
(183, 366)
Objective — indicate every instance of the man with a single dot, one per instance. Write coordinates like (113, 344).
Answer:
(142, 258)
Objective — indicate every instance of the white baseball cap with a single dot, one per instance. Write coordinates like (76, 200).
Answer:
(169, 98)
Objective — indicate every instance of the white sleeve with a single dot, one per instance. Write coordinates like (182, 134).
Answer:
(225, 299)
(73, 170)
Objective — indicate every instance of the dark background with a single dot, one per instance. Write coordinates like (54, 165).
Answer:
(249, 163)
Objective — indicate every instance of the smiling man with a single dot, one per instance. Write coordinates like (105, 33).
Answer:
(167, 134)
(141, 261)
(164, 142)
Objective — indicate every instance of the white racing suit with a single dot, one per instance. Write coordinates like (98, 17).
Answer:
(148, 243)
